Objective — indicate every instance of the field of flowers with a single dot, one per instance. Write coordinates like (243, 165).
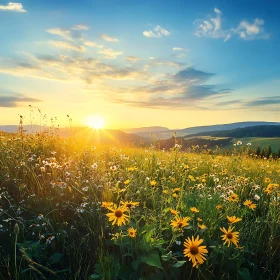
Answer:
(70, 210)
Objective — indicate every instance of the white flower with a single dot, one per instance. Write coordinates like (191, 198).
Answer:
(256, 197)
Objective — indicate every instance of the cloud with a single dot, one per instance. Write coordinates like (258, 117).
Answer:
(157, 32)
(109, 53)
(132, 58)
(13, 7)
(184, 89)
(65, 45)
(176, 49)
(251, 31)
(14, 99)
(212, 28)
(93, 44)
(68, 68)
(265, 101)
(80, 27)
(107, 38)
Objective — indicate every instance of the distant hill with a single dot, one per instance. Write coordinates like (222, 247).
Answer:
(250, 131)
(102, 136)
(165, 133)
(146, 131)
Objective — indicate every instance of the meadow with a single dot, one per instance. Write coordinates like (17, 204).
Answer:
(72, 210)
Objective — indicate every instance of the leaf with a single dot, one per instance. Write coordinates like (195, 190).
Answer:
(245, 274)
(178, 264)
(154, 260)
(94, 276)
(55, 258)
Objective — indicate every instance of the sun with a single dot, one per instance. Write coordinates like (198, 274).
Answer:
(95, 122)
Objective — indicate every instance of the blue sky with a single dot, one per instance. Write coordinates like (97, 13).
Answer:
(178, 63)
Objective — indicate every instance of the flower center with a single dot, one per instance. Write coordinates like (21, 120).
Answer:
(128, 205)
(180, 224)
(118, 213)
(229, 235)
(194, 249)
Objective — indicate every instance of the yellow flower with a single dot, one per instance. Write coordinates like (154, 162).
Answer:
(219, 207)
(126, 182)
(249, 204)
(132, 232)
(179, 223)
(153, 183)
(174, 212)
(199, 219)
(233, 219)
(266, 180)
(194, 209)
(129, 204)
(175, 195)
(117, 215)
(165, 191)
(233, 197)
(201, 226)
(194, 252)
(229, 236)
(106, 204)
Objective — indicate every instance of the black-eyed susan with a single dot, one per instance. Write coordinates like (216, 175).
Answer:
(250, 204)
(230, 236)
(233, 197)
(126, 182)
(194, 209)
(131, 232)
(174, 212)
(179, 223)
(233, 219)
(117, 215)
(219, 207)
(105, 204)
(129, 204)
(194, 252)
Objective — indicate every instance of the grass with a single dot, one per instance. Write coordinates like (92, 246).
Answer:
(255, 141)
(57, 197)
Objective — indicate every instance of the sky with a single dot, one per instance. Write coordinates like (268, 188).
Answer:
(141, 63)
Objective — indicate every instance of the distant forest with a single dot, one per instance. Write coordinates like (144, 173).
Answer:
(250, 131)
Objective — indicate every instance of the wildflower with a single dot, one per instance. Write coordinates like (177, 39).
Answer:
(117, 215)
(126, 182)
(219, 207)
(174, 212)
(201, 226)
(165, 191)
(233, 197)
(239, 143)
(130, 204)
(106, 204)
(199, 219)
(180, 223)
(132, 232)
(194, 252)
(194, 209)
(267, 180)
(249, 204)
(153, 183)
(233, 219)
(229, 236)
(256, 197)
(175, 195)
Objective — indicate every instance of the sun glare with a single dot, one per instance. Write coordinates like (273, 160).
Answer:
(96, 122)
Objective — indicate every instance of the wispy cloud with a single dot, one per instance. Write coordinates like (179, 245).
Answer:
(13, 7)
(80, 27)
(176, 49)
(264, 101)
(212, 28)
(157, 32)
(10, 99)
(65, 45)
(108, 38)
(132, 58)
(93, 44)
(110, 53)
